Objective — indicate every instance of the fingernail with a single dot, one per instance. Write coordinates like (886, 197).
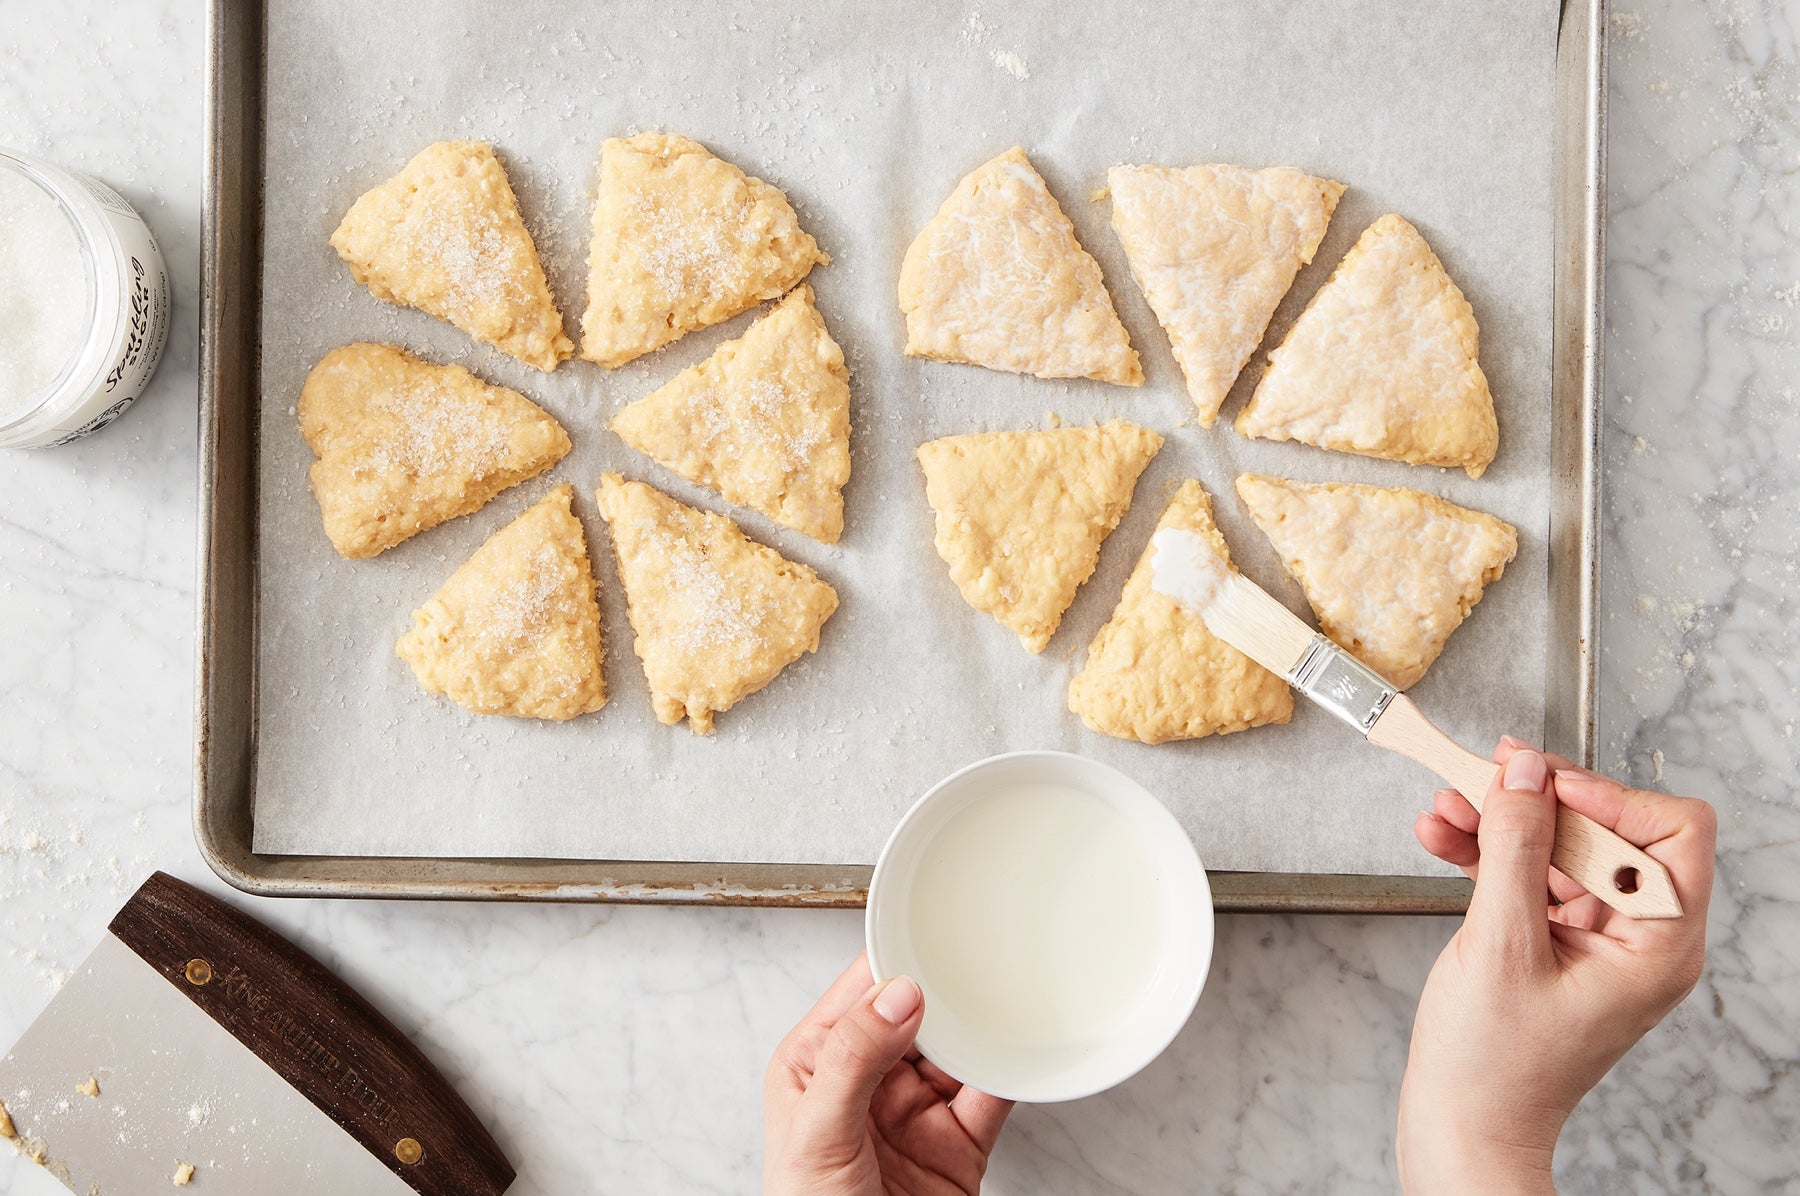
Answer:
(1514, 742)
(1526, 772)
(1569, 774)
(898, 1000)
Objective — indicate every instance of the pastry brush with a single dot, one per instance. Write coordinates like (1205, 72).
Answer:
(1187, 569)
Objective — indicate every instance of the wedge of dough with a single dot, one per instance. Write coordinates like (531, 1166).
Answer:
(1155, 673)
(1214, 249)
(716, 616)
(998, 279)
(1389, 572)
(1382, 362)
(765, 420)
(403, 445)
(516, 629)
(1021, 515)
(444, 236)
(682, 240)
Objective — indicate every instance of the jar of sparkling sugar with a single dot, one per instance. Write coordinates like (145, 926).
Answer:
(84, 303)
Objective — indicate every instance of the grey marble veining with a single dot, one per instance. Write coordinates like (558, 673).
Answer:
(620, 1050)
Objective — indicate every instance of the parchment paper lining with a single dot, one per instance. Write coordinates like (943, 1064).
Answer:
(867, 115)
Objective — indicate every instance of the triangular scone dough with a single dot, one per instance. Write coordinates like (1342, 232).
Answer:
(715, 615)
(1020, 515)
(1389, 572)
(998, 279)
(516, 629)
(1155, 673)
(765, 420)
(682, 239)
(444, 236)
(1382, 362)
(1214, 248)
(404, 445)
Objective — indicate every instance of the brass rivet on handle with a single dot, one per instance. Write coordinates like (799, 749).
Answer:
(199, 972)
(408, 1151)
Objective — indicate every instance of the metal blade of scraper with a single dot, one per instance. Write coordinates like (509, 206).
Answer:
(215, 1044)
(174, 1088)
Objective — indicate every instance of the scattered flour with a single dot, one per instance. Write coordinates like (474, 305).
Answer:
(976, 31)
(1012, 64)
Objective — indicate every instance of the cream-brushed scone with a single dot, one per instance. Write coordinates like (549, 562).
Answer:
(1155, 673)
(1021, 515)
(444, 236)
(1389, 572)
(403, 445)
(516, 629)
(682, 239)
(1382, 362)
(998, 279)
(715, 615)
(765, 420)
(1214, 249)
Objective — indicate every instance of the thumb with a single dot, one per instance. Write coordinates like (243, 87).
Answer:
(863, 1046)
(1518, 827)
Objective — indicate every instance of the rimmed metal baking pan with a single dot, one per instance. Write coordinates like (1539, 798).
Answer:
(226, 726)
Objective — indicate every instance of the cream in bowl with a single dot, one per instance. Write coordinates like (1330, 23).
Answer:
(1057, 918)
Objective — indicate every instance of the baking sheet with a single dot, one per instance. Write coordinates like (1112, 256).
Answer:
(866, 117)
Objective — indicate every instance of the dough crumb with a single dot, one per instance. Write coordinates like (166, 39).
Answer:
(184, 1173)
(6, 1125)
(89, 1086)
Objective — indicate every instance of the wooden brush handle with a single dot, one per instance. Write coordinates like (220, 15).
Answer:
(1611, 868)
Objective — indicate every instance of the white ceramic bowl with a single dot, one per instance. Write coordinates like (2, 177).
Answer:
(1113, 1053)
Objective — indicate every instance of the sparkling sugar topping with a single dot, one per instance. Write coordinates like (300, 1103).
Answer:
(521, 612)
(437, 430)
(713, 614)
(686, 255)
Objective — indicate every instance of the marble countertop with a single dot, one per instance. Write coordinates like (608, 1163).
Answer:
(620, 1050)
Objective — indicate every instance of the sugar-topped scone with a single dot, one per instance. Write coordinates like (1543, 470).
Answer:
(1021, 515)
(765, 420)
(682, 239)
(715, 615)
(1214, 249)
(444, 236)
(998, 279)
(1389, 572)
(1382, 362)
(403, 445)
(1155, 673)
(516, 629)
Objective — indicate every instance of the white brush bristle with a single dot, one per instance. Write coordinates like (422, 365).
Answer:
(1244, 616)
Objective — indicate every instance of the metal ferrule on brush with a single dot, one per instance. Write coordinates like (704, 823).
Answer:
(1341, 683)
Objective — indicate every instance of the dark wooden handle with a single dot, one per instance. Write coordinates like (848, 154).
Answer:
(318, 1034)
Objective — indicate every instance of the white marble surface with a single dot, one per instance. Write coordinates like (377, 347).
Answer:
(620, 1050)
